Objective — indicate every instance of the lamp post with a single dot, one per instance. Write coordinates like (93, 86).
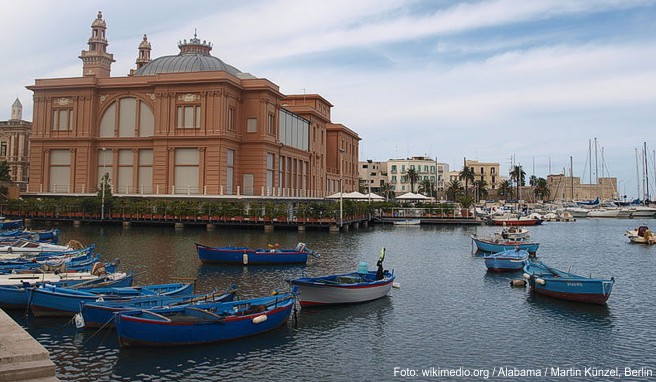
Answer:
(341, 187)
(103, 185)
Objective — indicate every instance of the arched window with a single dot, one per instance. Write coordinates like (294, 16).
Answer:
(127, 117)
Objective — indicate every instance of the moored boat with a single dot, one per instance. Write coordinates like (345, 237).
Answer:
(513, 233)
(361, 286)
(507, 260)
(407, 222)
(189, 325)
(495, 245)
(641, 235)
(514, 220)
(99, 314)
(49, 300)
(567, 286)
(248, 256)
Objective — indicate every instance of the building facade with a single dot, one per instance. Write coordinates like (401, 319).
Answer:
(570, 188)
(487, 171)
(425, 168)
(15, 144)
(187, 124)
(373, 175)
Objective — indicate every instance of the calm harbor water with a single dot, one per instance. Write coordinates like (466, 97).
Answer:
(449, 315)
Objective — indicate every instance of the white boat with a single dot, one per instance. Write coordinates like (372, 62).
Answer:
(578, 212)
(640, 211)
(361, 286)
(20, 279)
(603, 213)
(407, 222)
(641, 235)
(21, 247)
(512, 233)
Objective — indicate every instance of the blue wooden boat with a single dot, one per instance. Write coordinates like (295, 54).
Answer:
(190, 325)
(567, 286)
(248, 256)
(348, 288)
(43, 236)
(101, 314)
(508, 260)
(49, 300)
(495, 245)
(16, 295)
(11, 224)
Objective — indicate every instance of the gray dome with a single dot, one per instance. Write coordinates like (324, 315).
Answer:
(187, 62)
(194, 56)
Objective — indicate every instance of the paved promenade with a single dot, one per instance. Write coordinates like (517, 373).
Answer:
(22, 358)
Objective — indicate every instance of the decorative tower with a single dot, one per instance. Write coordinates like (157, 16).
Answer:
(195, 46)
(144, 52)
(17, 110)
(96, 61)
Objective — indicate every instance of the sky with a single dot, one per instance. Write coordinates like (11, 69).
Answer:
(536, 83)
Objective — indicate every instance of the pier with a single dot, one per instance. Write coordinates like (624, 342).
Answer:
(22, 358)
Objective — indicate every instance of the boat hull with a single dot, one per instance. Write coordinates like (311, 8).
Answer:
(246, 256)
(516, 222)
(318, 294)
(51, 301)
(495, 246)
(566, 286)
(141, 331)
(506, 261)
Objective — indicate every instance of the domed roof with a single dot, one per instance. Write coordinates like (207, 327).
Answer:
(194, 56)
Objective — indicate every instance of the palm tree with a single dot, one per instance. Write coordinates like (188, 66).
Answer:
(505, 189)
(387, 191)
(541, 189)
(412, 177)
(518, 176)
(467, 174)
(427, 186)
(481, 189)
(5, 174)
(454, 189)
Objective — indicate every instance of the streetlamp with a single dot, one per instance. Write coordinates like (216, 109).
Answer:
(103, 185)
(341, 187)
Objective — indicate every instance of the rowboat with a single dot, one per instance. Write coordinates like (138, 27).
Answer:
(49, 300)
(44, 236)
(99, 314)
(348, 288)
(567, 286)
(21, 247)
(497, 245)
(508, 260)
(10, 224)
(190, 325)
(248, 256)
(15, 289)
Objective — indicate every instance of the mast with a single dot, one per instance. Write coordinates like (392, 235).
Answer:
(646, 174)
(638, 175)
(571, 174)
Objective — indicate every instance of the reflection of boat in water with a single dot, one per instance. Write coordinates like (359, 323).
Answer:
(407, 222)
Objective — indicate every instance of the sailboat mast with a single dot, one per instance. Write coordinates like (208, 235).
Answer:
(571, 174)
(646, 174)
(638, 174)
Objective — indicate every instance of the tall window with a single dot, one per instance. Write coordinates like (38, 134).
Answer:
(186, 171)
(271, 123)
(269, 172)
(60, 170)
(230, 123)
(124, 181)
(3, 149)
(62, 119)
(145, 172)
(189, 117)
(105, 165)
(230, 171)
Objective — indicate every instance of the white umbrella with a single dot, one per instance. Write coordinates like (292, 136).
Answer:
(373, 196)
(411, 196)
(355, 195)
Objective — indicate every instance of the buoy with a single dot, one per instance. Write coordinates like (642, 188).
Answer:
(244, 258)
(526, 276)
(259, 319)
(396, 285)
(540, 281)
(79, 321)
(518, 283)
